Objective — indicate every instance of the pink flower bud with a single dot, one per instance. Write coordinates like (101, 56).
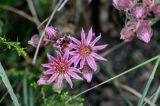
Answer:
(35, 40)
(87, 72)
(138, 11)
(128, 32)
(144, 31)
(122, 4)
(156, 9)
(43, 80)
(51, 33)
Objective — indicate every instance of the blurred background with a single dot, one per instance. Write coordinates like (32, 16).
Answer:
(104, 19)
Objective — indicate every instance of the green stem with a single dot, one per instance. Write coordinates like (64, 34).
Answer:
(117, 76)
(140, 103)
(8, 86)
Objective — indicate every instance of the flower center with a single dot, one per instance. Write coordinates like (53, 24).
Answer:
(85, 50)
(61, 68)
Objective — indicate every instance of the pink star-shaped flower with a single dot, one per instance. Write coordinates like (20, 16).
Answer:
(85, 50)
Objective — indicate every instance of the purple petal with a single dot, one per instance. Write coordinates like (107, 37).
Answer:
(53, 77)
(91, 62)
(83, 37)
(74, 53)
(48, 65)
(59, 56)
(75, 40)
(73, 46)
(89, 38)
(87, 76)
(95, 40)
(75, 70)
(52, 58)
(100, 47)
(71, 61)
(82, 63)
(48, 72)
(68, 80)
(74, 75)
(66, 55)
(97, 56)
(60, 80)
(76, 61)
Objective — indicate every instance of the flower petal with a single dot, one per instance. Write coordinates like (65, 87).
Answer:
(75, 70)
(97, 56)
(83, 37)
(73, 46)
(60, 80)
(82, 63)
(48, 72)
(76, 60)
(75, 40)
(89, 38)
(53, 77)
(68, 80)
(59, 56)
(91, 62)
(52, 58)
(95, 40)
(87, 76)
(71, 61)
(66, 55)
(100, 47)
(74, 75)
(74, 52)
(48, 65)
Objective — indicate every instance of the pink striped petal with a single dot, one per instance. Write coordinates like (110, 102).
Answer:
(60, 80)
(83, 37)
(68, 80)
(76, 61)
(53, 77)
(48, 72)
(52, 58)
(82, 63)
(87, 76)
(91, 62)
(74, 75)
(100, 47)
(71, 61)
(59, 56)
(89, 38)
(73, 46)
(75, 70)
(66, 55)
(95, 40)
(74, 52)
(97, 56)
(75, 40)
(48, 65)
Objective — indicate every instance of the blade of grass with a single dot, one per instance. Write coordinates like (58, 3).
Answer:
(31, 97)
(117, 76)
(157, 93)
(25, 92)
(140, 103)
(8, 86)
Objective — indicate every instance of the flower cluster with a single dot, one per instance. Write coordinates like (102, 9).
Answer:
(74, 57)
(51, 36)
(139, 15)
